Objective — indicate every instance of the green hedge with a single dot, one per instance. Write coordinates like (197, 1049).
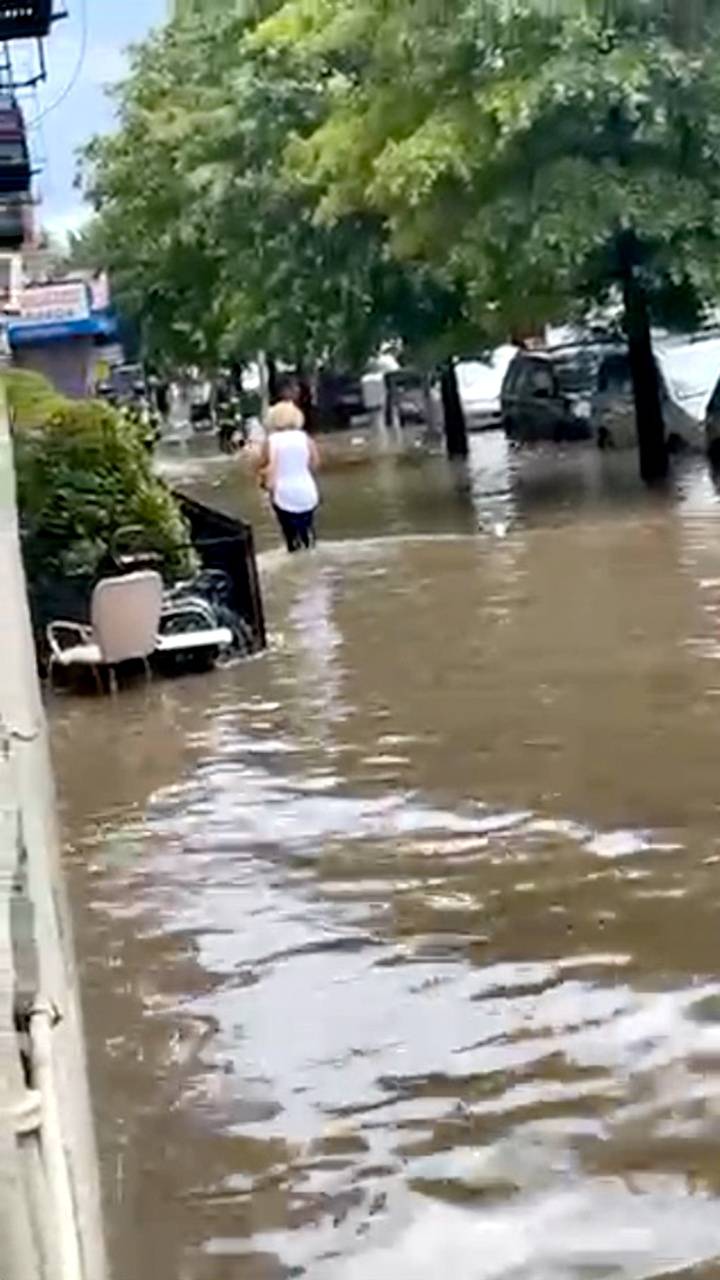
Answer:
(83, 472)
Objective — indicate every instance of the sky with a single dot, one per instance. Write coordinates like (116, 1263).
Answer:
(105, 28)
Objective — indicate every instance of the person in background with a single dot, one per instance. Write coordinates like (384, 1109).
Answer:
(288, 462)
(162, 397)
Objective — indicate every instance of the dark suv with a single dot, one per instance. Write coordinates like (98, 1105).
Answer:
(548, 394)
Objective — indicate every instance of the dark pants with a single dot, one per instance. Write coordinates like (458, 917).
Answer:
(298, 528)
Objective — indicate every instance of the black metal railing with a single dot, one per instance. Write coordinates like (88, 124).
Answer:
(220, 543)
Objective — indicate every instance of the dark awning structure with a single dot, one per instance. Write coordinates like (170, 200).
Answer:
(12, 223)
(25, 19)
(15, 170)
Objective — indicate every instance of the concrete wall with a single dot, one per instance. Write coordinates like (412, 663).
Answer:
(50, 1217)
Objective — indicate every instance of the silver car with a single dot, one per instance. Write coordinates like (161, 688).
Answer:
(688, 369)
(712, 417)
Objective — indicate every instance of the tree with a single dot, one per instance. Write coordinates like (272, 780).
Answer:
(213, 250)
(546, 158)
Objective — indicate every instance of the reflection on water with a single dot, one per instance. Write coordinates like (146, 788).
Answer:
(400, 942)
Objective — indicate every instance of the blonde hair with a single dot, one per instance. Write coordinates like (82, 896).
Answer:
(285, 416)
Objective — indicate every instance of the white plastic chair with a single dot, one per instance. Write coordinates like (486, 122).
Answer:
(125, 616)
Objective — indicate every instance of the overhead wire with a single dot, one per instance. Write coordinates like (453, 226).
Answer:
(77, 72)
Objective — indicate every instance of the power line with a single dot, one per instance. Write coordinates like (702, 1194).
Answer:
(77, 72)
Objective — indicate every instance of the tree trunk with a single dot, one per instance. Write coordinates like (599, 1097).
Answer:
(652, 444)
(453, 414)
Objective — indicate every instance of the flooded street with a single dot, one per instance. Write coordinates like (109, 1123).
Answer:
(401, 943)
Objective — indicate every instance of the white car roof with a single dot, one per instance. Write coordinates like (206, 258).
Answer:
(691, 369)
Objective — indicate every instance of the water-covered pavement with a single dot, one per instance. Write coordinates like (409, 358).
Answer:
(400, 943)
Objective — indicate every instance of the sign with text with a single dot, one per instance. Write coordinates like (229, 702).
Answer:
(45, 303)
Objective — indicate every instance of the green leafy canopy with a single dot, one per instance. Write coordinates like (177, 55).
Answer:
(213, 244)
(512, 145)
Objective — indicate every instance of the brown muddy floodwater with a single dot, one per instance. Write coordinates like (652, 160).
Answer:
(401, 943)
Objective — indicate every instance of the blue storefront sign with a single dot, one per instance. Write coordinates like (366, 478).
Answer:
(29, 332)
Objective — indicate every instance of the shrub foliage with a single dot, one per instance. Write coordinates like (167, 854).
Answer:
(84, 473)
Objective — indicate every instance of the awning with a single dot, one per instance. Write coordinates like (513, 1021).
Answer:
(34, 333)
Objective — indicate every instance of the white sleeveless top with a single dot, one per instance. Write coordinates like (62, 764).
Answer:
(293, 484)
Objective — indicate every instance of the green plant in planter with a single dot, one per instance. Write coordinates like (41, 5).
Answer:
(31, 399)
(83, 473)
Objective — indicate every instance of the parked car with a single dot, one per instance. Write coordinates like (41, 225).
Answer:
(480, 383)
(124, 378)
(697, 386)
(339, 398)
(688, 370)
(691, 367)
(712, 428)
(613, 409)
(584, 392)
(406, 389)
(547, 394)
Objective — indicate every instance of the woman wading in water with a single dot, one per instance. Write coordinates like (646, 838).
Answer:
(287, 466)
